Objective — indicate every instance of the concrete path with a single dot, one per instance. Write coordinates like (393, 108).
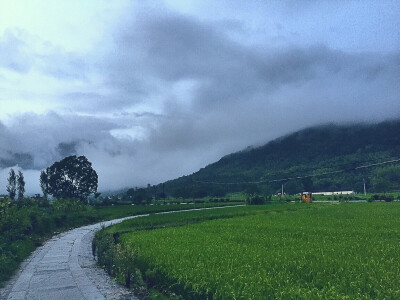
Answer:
(64, 268)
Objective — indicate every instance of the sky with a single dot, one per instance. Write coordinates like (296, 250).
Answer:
(153, 90)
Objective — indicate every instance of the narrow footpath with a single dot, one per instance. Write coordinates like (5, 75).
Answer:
(64, 268)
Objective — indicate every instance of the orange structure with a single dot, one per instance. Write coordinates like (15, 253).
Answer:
(306, 197)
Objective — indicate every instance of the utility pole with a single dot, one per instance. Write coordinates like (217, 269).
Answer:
(365, 191)
(282, 189)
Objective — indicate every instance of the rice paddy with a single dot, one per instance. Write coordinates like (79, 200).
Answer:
(346, 251)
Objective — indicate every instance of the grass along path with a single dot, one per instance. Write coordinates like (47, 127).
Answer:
(325, 251)
(26, 224)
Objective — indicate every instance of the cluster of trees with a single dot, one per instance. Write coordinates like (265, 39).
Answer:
(386, 179)
(137, 196)
(73, 177)
(16, 185)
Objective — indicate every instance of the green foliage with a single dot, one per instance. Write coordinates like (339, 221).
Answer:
(386, 179)
(293, 187)
(183, 218)
(307, 184)
(119, 262)
(25, 223)
(253, 195)
(20, 185)
(72, 177)
(67, 205)
(292, 251)
(138, 196)
(383, 197)
(389, 198)
(256, 200)
(43, 183)
(252, 190)
(311, 151)
(109, 252)
(17, 224)
(12, 184)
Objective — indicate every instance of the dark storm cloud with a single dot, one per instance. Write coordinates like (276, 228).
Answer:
(180, 47)
(158, 51)
(9, 159)
(67, 149)
(179, 92)
(241, 93)
(35, 141)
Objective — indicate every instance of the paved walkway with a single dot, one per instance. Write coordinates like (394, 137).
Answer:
(64, 268)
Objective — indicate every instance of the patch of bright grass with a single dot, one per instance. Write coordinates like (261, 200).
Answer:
(328, 251)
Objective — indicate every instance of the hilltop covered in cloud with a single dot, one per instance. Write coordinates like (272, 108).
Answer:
(149, 92)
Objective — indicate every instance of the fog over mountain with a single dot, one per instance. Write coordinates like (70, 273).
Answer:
(152, 91)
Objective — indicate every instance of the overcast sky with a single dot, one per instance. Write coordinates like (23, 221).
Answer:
(153, 90)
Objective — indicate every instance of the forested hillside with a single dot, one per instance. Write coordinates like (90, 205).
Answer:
(311, 152)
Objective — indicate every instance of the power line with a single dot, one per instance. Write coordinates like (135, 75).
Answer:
(296, 177)
(341, 166)
(382, 163)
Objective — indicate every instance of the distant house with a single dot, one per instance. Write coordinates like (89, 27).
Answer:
(335, 193)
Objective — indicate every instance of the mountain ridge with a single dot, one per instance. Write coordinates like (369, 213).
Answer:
(310, 151)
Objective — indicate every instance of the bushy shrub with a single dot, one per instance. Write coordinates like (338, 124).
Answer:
(118, 262)
(68, 205)
(24, 223)
(255, 200)
(376, 197)
(388, 198)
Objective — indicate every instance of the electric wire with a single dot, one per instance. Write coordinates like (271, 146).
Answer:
(296, 177)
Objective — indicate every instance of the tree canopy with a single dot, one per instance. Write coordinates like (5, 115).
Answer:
(137, 196)
(72, 177)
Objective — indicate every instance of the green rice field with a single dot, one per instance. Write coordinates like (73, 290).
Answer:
(287, 251)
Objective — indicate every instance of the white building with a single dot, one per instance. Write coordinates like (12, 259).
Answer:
(335, 193)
